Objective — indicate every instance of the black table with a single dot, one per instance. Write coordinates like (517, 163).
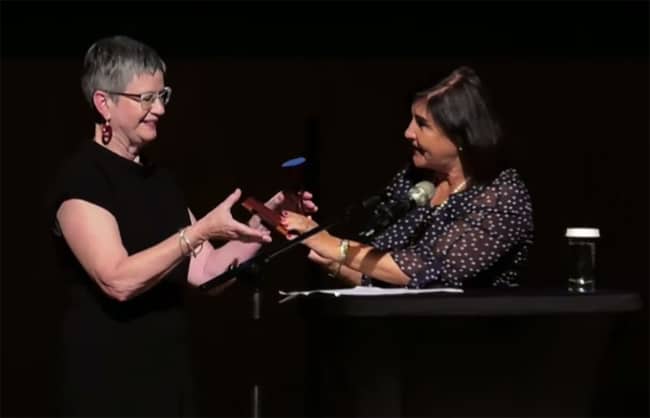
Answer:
(478, 302)
(517, 352)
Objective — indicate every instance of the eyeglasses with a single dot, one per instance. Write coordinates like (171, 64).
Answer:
(149, 98)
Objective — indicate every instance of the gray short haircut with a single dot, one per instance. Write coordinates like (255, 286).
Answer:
(111, 63)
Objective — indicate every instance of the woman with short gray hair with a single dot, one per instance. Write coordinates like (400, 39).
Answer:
(127, 244)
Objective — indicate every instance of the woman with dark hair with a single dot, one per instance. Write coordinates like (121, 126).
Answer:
(127, 245)
(478, 226)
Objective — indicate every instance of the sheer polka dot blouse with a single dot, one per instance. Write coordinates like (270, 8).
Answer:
(479, 237)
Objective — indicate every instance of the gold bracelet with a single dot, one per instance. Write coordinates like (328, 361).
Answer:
(191, 250)
(344, 246)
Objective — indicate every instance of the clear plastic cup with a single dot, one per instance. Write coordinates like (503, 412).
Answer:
(582, 259)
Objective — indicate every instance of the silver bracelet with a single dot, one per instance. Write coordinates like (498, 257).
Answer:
(191, 250)
(334, 274)
(182, 243)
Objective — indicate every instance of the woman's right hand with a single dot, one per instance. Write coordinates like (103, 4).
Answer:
(220, 225)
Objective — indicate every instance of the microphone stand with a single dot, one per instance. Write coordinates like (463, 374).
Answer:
(252, 271)
(253, 266)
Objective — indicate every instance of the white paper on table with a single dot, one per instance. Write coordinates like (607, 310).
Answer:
(368, 291)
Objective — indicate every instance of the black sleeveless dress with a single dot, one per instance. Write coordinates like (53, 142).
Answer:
(123, 358)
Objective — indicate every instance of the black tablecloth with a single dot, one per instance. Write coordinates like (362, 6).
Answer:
(516, 352)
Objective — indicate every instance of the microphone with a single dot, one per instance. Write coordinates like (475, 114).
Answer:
(367, 203)
(370, 202)
(418, 196)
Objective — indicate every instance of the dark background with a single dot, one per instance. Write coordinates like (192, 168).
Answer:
(258, 83)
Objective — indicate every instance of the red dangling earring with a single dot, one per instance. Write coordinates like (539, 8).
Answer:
(107, 133)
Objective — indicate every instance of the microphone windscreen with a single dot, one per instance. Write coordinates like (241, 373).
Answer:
(422, 193)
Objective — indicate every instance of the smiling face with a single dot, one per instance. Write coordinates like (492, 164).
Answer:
(132, 123)
(432, 149)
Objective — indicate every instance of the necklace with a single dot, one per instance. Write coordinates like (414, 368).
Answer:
(456, 190)
(460, 186)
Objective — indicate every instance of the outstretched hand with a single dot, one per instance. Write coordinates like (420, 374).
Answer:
(219, 224)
